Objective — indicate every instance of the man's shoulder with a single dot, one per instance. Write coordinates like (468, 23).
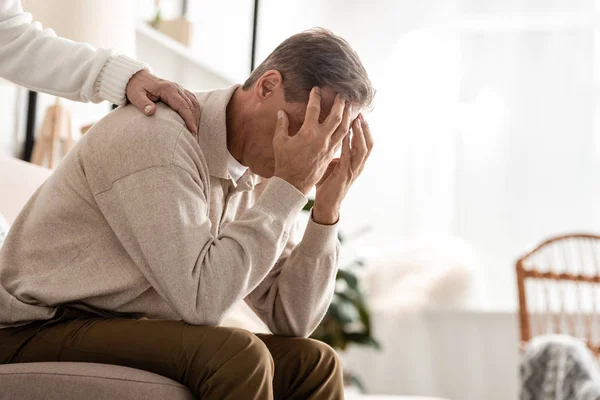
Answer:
(127, 125)
(126, 141)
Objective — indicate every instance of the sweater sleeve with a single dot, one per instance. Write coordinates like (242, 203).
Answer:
(294, 297)
(160, 215)
(39, 60)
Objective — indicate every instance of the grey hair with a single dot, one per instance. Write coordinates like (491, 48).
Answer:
(317, 57)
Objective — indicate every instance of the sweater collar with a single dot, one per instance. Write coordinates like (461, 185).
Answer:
(212, 135)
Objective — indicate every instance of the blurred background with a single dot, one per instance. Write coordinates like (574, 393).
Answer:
(487, 142)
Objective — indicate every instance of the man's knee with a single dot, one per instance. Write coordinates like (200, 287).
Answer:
(243, 348)
(319, 355)
(251, 348)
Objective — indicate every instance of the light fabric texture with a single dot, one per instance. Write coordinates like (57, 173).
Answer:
(38, 60)
(235, 169)
(141, 219)
(3, 229)
(76, 380)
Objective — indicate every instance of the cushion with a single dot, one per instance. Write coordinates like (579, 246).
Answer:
(89, 381)
(18, 181)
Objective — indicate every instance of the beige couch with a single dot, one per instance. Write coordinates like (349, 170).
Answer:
(67, 380)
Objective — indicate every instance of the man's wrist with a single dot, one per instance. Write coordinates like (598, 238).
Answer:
(325, 216)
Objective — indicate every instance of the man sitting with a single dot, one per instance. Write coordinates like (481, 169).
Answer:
(143, 219)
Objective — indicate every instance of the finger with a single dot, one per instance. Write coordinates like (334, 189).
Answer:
(336, 115)
(178, 102)
(143, 103)
(183, 94)
(281, 128)
(359, 145)
(332, 165)
(367, 132)
(343, 127)
(346, 157)
(337, 148)
(329, 170)
(184, 109)
(195, 107)
(187, 100)
(313, 109)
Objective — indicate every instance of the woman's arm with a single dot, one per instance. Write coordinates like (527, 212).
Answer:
(39, 60)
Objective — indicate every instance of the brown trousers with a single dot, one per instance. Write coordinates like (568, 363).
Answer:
(214, 362)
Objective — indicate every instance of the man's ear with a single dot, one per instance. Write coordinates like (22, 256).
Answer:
(268, 83)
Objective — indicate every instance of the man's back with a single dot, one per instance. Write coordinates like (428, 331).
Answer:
(62, 235)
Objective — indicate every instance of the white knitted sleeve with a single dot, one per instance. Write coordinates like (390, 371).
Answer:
(39, 60)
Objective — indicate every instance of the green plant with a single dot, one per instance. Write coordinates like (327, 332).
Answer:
(348, 319)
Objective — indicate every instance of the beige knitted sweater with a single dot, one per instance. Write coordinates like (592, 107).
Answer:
(142, 219)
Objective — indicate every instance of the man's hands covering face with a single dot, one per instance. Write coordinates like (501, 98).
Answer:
(342, 172)
(306, 159)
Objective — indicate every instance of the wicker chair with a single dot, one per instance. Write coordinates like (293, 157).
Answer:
(559, 289)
